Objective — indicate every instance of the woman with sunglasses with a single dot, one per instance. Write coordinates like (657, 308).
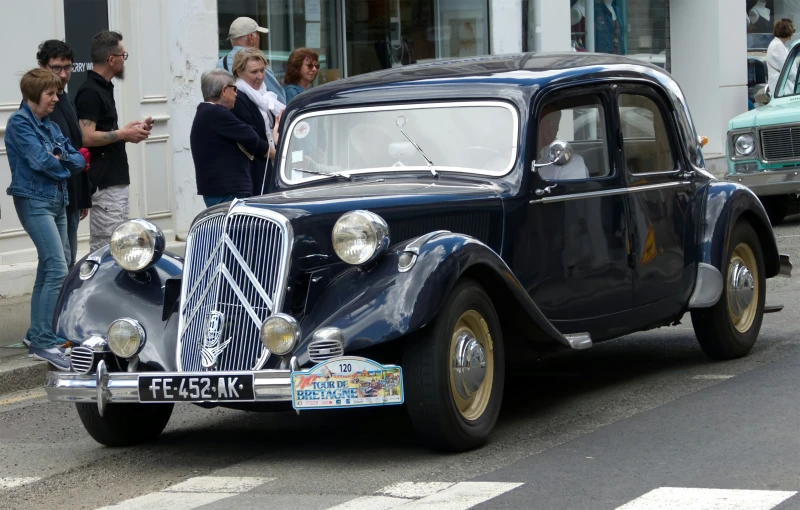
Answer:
(301, 70)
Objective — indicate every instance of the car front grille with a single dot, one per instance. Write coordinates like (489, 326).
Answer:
(81, 360)
(234, 274)
(780, 143)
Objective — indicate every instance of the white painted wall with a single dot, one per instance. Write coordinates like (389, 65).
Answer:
(506, 26)
(709, 48)
(550, 25)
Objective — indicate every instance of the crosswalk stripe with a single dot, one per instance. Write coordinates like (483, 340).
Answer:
(192, 493)
(413, 490)
(462, 496)
(674, 498)
(11, 483)
(371, 503)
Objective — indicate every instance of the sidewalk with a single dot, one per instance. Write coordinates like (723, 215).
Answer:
(17, 370)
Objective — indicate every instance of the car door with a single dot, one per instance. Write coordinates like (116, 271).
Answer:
(661, 197)
(578, 267)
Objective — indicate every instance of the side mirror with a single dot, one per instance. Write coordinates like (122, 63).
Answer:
(761, 95)
(559, 153)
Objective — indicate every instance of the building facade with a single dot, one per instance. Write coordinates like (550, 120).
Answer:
(702, 43)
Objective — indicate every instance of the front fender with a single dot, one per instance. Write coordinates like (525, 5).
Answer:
(87, 307)
(382, 303)
(726, 203)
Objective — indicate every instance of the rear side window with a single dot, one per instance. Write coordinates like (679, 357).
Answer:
(644, 135)
(581, 121)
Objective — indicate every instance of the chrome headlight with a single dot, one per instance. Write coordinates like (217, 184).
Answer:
(744, 145)
(360, 236)
(280, 333)
(126, 338)
(136, 245)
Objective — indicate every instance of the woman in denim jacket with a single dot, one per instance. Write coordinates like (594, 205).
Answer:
(41, 159)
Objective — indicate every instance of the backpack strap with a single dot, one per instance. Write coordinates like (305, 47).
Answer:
(225, 63)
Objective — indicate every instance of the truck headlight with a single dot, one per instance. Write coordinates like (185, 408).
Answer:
(136, 245)
(360, 236)
(126, 337)
(280, 333)
(744, 145)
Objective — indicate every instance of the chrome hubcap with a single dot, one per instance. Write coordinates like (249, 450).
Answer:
(469, 365)
(741, 287)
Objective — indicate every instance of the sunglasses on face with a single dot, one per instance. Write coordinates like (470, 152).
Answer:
(234, 87)
(313, 66)
(123, 55)
(58, 69)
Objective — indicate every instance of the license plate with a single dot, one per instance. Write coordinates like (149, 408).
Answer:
(348, 381)
(206, 388)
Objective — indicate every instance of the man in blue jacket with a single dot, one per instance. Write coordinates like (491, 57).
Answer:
(245, 33)
(222, 145)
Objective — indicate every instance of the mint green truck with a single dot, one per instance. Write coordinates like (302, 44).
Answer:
(763, 145)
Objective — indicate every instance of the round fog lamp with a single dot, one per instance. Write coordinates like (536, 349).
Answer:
(126, 337)
(745, 145)
(136, 245)
(280, 333)
(359, 236)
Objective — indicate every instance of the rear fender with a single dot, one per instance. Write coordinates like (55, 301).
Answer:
(87, 307)
(382, 303)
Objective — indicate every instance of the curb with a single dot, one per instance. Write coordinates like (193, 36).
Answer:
(18, 374)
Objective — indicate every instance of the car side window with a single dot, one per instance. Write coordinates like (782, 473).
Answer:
(644, 135)
(581, 121)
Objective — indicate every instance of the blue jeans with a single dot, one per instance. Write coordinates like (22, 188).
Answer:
(218, 199)
(46, 223)
(73, 222)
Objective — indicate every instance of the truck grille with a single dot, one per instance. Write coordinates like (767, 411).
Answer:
(234, 274)
(780, 143)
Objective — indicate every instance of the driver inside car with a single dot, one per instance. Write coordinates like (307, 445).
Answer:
(548, 131)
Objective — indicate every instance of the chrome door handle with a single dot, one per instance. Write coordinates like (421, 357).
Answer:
(539, 191)
(686, 175)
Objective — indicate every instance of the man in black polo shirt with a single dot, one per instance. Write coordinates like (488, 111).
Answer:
(97, 112)
(57, 56)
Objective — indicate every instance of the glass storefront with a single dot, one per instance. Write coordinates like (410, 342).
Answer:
(761, 18)
(358, 36)
(637, 28)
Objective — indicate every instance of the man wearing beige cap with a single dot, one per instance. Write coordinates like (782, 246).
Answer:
(245, 33)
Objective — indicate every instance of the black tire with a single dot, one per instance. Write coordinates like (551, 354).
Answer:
(427, 364)
(721, 332)
(125, 424)
(776, 206)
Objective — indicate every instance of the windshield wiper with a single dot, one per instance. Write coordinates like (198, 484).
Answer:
(400, 122)
(327, 174)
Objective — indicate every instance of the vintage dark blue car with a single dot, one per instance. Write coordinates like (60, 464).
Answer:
(426, 228)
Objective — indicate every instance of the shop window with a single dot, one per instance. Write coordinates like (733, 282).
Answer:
(762, 16)
(637, 28)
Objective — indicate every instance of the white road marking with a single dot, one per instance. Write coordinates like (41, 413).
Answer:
(712, 377)
(681, 498)
(413, 490)
(223, 484)
(12, 483)
(192, 493)
(462, 496)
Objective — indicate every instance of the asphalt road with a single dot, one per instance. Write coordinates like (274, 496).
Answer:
(645, 421)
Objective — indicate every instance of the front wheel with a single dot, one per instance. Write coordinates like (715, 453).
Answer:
(729, 329)
(125, 424)
(454, 372)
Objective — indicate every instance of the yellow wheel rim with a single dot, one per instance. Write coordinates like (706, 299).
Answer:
(471, 365)
(742, 287)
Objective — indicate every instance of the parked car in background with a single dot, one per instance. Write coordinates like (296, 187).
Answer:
(427, 229)
(763, 147)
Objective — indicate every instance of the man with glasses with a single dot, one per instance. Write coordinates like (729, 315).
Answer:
(97, 112)
(245, 33)
(57, 56)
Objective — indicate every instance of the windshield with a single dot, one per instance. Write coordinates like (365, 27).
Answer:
(475, 137)
(787, 81)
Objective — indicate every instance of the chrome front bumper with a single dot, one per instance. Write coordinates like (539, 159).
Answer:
(769, 182)
(104, 387)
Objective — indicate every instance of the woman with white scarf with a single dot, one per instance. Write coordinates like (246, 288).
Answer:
(256, 106)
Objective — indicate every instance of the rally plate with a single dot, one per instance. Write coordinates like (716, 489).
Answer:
(348, 381)
(196, 388)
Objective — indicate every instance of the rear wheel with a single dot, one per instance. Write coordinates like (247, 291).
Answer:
(454, 372)
(125, 424)
(729, 328)
(776, 206)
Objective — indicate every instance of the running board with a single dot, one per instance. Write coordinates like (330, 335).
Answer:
(579, 341)
(772, 308)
